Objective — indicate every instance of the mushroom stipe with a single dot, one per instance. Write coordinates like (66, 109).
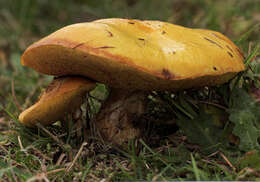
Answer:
(131, 57)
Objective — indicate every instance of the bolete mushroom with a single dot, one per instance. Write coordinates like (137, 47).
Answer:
(131, 57)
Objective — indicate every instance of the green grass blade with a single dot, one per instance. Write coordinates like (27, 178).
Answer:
(195, 168)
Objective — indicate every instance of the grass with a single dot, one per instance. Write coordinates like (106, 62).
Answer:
(167, 151)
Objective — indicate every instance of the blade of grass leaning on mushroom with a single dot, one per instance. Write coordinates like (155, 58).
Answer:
(133, 57)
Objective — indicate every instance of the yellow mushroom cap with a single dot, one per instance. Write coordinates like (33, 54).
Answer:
(63, 95)
(134, 54)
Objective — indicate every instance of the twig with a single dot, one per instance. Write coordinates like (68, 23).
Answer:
(227, 161)
(245, 173)
(73, 162)
(20, 143)
(4, 149)
(39, 177)
(76, 157)
(213, 104)
(213, 163)
(93, 176)
(55, 171)
(207, 161)
(60, 159)
(38, 152)
(214, 153)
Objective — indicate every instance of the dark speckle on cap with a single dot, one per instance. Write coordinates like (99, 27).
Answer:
(109, 33)
(229, 48)
(167, 74)
(213, 42)
(231, 55)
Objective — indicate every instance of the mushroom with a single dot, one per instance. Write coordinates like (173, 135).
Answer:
(131, 57)
(63, 95)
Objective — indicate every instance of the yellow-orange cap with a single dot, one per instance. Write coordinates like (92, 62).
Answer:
(134, 54)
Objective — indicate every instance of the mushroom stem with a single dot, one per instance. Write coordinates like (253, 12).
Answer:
(119, 117)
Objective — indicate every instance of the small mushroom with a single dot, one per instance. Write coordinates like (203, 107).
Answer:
(63, 95)
(132, 57)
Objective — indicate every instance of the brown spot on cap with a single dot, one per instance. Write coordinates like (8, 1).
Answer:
(105, 47)
(167, 74)
(231, 55)
(217, 36)
(163, 32)
(78, 45)
(229, 48)
(131, 22)
(141, 39)
(110, 33)
(213, 42)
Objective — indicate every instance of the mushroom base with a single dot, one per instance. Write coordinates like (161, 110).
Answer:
(119, 118)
